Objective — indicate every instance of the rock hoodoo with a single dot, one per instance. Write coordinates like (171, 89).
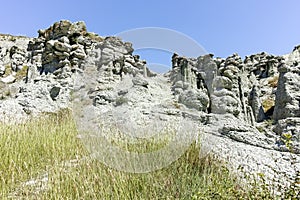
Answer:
(246, 108)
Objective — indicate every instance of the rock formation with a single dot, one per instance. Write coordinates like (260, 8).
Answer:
(249, 110)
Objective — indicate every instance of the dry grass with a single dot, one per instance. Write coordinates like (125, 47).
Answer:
(267, 104)
(44, 159)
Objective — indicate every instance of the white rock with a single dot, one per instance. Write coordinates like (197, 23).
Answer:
(9, 79)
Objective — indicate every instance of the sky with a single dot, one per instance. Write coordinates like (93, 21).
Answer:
(221, 27)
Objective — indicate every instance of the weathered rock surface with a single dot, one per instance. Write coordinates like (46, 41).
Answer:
(248, 109)
(288, 92)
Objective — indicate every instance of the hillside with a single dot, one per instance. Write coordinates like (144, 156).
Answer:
(246, 112)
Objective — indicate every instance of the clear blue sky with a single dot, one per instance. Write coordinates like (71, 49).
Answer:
(222, 27)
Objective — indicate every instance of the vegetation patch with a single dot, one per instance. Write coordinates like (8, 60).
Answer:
(267, 104)
(19, 75)
(22, 73)
(8, 70)
(44, 159)
(4, 93)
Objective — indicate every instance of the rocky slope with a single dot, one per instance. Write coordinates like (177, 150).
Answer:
(248, 110)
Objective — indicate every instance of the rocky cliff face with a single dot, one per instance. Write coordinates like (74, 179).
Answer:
(249, 110)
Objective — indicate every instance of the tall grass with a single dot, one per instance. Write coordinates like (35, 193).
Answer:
(28, 150)
(43, 159)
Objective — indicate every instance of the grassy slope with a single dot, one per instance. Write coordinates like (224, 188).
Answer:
(49, 148)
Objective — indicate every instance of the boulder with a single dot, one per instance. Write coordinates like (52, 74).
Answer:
(222, 104)
(54, 92)
(195, 99)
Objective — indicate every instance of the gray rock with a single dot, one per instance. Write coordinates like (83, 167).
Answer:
(2, 70)
(289, 130)
(48, 58)
(288, 92)
(221, 82)
(79, 53)
(224, 104)
(104, 98)
(54, 92)
(63, 28)
(107, 55)
(246, 134)
(293, 57)
(61, 55)
(279, 169)
(63, 47)
(64, 39)
(208, 69)
(140, 81)
(195, 99)
(50, 45)
(255, 104)
(263, 65)
(8, 79)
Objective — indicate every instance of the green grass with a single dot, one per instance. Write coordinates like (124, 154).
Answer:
(49, 148)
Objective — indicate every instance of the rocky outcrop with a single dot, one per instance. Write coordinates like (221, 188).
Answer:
(287, 106)
(288, 95)
(37, 74)
(253, 102)
(248, 109)
(188, 83)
